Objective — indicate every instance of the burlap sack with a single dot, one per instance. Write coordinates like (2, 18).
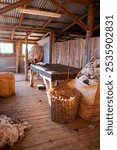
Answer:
(89, 105)
(7, 84)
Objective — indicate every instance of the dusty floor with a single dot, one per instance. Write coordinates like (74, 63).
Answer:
(30, 104)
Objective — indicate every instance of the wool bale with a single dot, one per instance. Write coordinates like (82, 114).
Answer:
(88, 83)
(7, 84)
(89, 107)
(35, 54)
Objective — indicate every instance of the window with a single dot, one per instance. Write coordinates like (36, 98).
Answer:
(6, 48)
(24, 48)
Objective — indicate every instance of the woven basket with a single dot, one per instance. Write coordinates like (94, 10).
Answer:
(64, 102)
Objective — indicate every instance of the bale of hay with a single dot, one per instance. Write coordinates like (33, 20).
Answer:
(7, 84)
(35, 54)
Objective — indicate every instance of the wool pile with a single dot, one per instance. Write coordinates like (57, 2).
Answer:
(11, 130)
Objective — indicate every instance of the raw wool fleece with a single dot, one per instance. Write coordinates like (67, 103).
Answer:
(11, 130)
(36, 54)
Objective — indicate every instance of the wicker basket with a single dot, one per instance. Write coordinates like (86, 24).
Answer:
(64, 102)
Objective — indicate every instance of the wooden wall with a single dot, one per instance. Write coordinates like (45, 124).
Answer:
(74, 52)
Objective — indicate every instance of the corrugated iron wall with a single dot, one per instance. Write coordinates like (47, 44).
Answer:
(74, 52)
(8, 63)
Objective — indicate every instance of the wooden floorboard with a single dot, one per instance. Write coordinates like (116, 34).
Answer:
(30, 104)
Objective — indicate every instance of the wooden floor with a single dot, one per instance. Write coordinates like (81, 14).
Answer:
(30, 104)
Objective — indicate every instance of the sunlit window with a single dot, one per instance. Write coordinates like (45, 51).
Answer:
(6, 48)
(24, 48)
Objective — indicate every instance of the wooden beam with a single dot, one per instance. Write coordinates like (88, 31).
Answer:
(70, 14)
(26, 59)
(13, 32)
(89, 33)
(18, 53)
(22, 41)
(45, 35)
(90, 21)
(22, 15)
(30, 33)
(5, 4)
(12, 6)
(79, 1)
(96, 27)
(37, 20)
(28, 28)
(51, 45)
(2, 34)
(69, 26)
(50, 19)
(46, 23)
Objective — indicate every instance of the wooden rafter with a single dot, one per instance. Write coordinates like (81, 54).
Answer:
(72, 24)
(79, 1)
(12, 6)
(69, 26)
(96, 27)
(45, 35)
(28, 28)
(23, 41)
(13, 33)
(30, 33)
(31, 19)
(70, 14)
(22, 15)
(50, 19)
(90, 21)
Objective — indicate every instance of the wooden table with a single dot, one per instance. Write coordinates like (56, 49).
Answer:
(52, 72)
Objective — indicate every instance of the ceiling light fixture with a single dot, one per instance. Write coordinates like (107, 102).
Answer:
(39, 12)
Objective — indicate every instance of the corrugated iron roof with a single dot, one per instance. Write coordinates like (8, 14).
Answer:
(76, 8)
(43, 18)
(42, 4)
(55, 25)
(12, 21)
(64, 19)
(9, 1)
(32, 23)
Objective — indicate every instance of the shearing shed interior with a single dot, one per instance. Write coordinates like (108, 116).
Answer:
(49, 74)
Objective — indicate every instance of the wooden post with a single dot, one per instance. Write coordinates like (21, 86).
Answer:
(90, 23)
(18, 52)
(26, 58)
(52, 40)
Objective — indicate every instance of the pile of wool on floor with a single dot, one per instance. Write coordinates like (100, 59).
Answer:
(11, 130)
